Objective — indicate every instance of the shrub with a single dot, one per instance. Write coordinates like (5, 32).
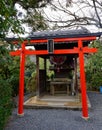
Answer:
(94, 68)
(5, 86)
(5, 102)
(31, 83)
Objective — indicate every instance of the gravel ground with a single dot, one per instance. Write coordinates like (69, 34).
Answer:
(60, 119)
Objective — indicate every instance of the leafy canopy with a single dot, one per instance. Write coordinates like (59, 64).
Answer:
(8, 14)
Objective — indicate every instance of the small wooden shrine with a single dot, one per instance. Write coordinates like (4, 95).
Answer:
(62, 48)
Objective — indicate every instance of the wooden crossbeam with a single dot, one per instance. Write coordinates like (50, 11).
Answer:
(60, 51)
(36, 41)
(15, 53)
(89, 50)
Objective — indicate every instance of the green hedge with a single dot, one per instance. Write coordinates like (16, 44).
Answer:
(5, 102)
(9, 81)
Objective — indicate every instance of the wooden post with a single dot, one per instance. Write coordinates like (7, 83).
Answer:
(76, 78)
(21, 81)
(37, 70)
(45, 72)
(82, 81)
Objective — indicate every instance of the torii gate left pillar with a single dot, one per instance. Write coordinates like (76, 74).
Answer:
(79, 50)
(21, 81)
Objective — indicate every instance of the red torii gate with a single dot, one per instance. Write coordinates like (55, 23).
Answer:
(81, 50)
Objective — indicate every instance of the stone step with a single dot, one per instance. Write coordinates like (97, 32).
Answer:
(59, 100)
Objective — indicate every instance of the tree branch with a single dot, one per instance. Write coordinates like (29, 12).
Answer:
(97, 13)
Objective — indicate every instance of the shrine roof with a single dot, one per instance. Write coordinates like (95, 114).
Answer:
(63, 34)
(58, 34)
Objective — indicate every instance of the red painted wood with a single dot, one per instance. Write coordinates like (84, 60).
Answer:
(45, 52)
(15, 53)
(74, 39)
(57, 40)
(21, 82)
(89, 50)
(82, 81)
(64, 40)
(61, 51)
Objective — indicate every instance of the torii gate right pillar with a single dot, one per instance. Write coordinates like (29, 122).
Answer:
(82, 81)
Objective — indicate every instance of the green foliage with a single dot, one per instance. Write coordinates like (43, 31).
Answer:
(31, 83)
(14, 68)
(41, 63)
(9, 68)
(29, 67)
(34, 15)
(8, 19)
(5, 87)
(94, 67)
(5, 60)
(35, 20)
(30, 80)
(5, 101)
(9, 81)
